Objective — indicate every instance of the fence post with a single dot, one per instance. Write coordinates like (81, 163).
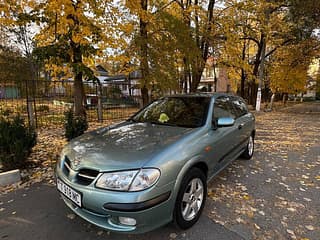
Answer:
(30, 111)
(100, 112)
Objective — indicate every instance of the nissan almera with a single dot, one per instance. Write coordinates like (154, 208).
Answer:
(153, 169)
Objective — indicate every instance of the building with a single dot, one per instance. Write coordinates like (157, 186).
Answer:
(9, 91)
(212, 73)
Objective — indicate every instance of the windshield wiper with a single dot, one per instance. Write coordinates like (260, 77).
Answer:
(164, 123)
(132, 120)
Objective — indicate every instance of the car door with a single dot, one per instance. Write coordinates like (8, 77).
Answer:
(223, 140)
(243, 120)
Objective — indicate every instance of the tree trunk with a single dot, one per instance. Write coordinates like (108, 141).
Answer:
(284, 98)
(271, 101)
(261, 71)
(202, 42)
(145, 96)
(243, 73)
(185, 75)
(196, 77)
(144, 66)
(243, 79)
(215, 77)
(78, 89)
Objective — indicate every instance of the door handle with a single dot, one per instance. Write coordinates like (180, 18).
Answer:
(240, 126)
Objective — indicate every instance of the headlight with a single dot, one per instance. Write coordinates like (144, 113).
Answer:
(116, 180)
(145, 179)
(129, 180)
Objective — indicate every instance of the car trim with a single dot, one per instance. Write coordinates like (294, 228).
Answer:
(139, 206)
(234, 148)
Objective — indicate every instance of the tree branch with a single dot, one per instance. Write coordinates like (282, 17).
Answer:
(252, 39)
(165, 6)
(281, 45)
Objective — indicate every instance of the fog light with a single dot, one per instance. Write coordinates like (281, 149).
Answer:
(127, 221)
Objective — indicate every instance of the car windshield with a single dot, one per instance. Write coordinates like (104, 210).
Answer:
(175, 111)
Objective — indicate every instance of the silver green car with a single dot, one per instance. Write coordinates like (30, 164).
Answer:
(153, 169)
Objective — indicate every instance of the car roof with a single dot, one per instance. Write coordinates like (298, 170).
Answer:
(202, 94)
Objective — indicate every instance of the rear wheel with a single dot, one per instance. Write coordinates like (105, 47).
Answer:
(191, 198)
(248, 153)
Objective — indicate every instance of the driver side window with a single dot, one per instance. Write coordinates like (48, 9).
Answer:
(223, 108)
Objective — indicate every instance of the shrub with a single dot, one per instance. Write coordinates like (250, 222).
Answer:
(74, 126)
(6, 112)
(16, 142)
(43, 108)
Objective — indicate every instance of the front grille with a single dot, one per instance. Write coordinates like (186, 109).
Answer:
(66, 166)
(86, 176)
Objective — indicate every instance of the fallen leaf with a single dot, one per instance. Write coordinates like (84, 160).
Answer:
(291, 209)
(246, 197)
(292, 234)
(71, 216)
(309, 227)
(302, 189)
(257, 226)
(240, 220)
(173, 235)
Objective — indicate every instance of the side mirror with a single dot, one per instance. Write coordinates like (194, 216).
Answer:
(225, 122)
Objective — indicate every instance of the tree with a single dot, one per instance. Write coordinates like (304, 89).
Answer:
(16, 43)
(199, 19)
(289, 67)
(72, 34)
(257, 31)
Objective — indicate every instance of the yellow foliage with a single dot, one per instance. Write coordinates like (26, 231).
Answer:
(289, 68)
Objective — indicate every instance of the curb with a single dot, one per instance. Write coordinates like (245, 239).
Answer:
(10, 177)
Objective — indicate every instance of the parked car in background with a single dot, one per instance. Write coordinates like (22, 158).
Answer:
(153, 169)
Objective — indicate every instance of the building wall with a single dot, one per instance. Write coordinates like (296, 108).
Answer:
(207, 80)
(223, 84)
(9, 92)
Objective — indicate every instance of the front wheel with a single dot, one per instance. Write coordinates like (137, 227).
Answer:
(248, 153)
(191, 198)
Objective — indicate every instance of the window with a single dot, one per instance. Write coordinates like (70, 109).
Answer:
(240, 106)
(223, 108)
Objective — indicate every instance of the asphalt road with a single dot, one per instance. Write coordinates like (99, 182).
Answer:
(39, 213)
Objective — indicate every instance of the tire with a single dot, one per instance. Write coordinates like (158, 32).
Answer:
(191, 199)
(248, 152)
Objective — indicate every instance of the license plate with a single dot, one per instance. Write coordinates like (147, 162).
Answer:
(67, 191)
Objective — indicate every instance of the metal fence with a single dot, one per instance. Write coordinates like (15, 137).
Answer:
(45, 102)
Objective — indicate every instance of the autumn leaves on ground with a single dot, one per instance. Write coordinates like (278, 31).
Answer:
(273, 196)
(276, 194)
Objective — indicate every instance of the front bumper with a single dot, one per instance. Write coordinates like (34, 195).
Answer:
(150, 208)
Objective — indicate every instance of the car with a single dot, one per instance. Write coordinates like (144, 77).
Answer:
(153, 168)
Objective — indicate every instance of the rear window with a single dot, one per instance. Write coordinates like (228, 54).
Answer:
(240, 106)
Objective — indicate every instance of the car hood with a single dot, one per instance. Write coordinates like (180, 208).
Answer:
(123, 146)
